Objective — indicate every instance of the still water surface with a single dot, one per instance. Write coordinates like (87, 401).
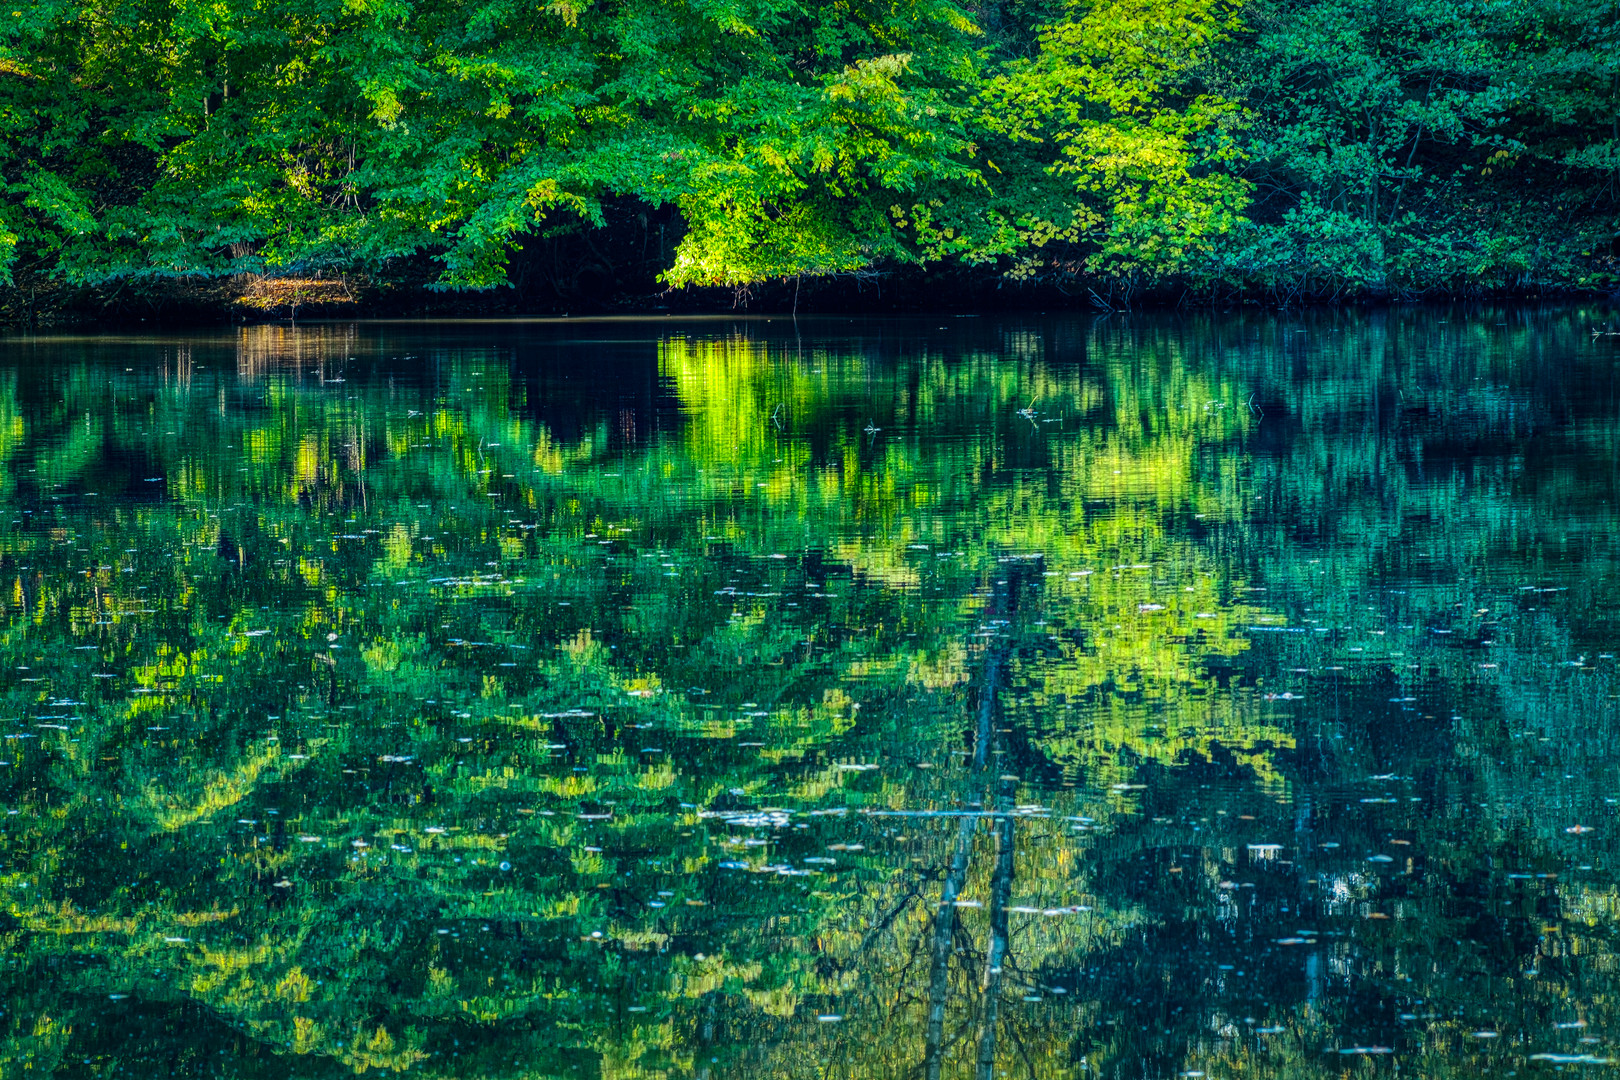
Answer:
(1135, 697)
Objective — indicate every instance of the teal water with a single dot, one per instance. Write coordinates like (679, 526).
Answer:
(1126, 697)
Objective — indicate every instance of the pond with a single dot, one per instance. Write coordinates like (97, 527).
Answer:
(1137, 696)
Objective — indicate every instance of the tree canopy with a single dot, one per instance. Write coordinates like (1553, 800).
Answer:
(1291, 145)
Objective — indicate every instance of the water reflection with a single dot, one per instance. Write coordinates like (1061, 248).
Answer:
(1047, 697)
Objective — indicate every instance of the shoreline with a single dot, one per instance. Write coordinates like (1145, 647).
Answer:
(219, 303)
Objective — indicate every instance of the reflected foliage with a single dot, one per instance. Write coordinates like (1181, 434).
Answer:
(1042, 698)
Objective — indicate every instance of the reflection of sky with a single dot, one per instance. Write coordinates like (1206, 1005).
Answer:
(552, 698)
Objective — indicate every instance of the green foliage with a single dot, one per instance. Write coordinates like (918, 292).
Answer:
(1111, 91)
(276, 137)
(1297, 146)
(1399, 147)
